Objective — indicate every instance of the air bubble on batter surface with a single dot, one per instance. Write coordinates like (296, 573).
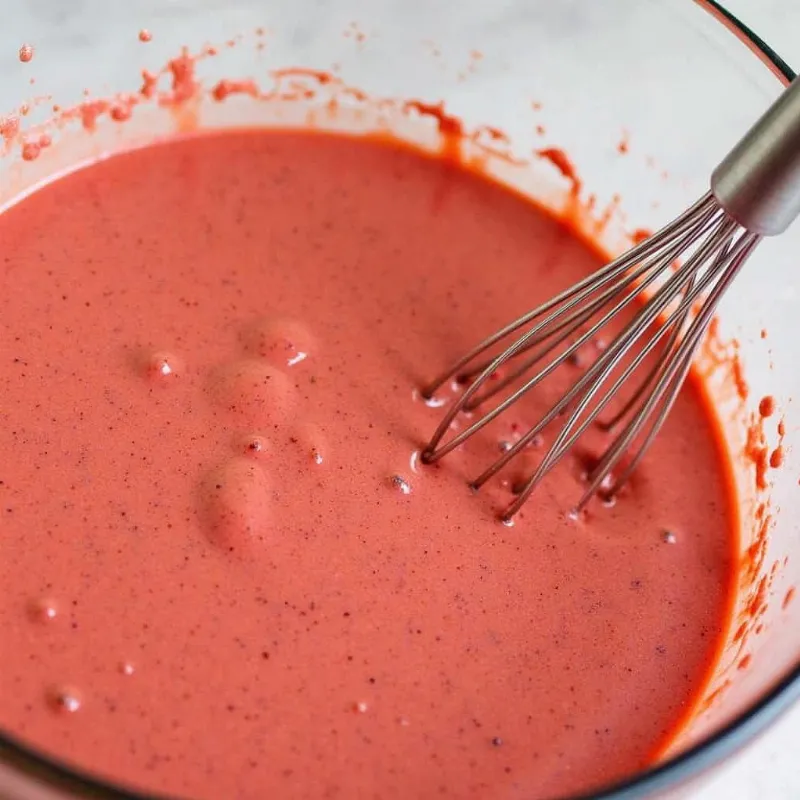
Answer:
(280, 341)
(162, 367)
(312, 444)
(254, 445)
(43, 609)
(64, 699)
(235, 503)
(400, 484)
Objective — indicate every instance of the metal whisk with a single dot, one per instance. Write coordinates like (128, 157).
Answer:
(755, 192)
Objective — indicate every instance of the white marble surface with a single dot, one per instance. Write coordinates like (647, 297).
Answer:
(770, 768)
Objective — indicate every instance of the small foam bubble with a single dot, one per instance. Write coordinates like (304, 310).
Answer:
(64, 699)
(281, 341)
(361, 707)
(668, 537)
(400, 483)
(608, 500)
(431, 402)
(43, 609)
(126, 668)
(312, 442)
(163, 367)
(253, 444)
(434, 402)
(236, 502)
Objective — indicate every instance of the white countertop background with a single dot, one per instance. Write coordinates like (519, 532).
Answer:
(769, 769)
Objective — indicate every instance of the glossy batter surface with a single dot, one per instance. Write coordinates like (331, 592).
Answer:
(223, 573)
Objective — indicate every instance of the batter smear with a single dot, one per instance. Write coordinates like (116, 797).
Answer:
(224, 572)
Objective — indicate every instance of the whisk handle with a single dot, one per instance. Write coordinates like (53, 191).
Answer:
(758, 182)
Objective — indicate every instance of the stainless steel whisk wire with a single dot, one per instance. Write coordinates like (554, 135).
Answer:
(755, 192)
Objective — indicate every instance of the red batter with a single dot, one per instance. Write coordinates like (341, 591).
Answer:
(223, 575)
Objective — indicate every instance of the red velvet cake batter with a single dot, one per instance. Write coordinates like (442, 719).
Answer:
(225, 574)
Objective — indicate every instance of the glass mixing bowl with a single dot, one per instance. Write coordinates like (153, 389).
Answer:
(644, 95)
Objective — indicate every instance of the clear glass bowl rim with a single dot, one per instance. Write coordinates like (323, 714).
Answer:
(648, 783)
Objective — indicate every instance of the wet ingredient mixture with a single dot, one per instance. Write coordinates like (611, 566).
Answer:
(225, 573)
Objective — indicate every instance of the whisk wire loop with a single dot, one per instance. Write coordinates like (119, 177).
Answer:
(666, 389)
(594, 378)
(593, 281)
(559, 328)
(755, 192)
(565, 301)
(671, 377)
